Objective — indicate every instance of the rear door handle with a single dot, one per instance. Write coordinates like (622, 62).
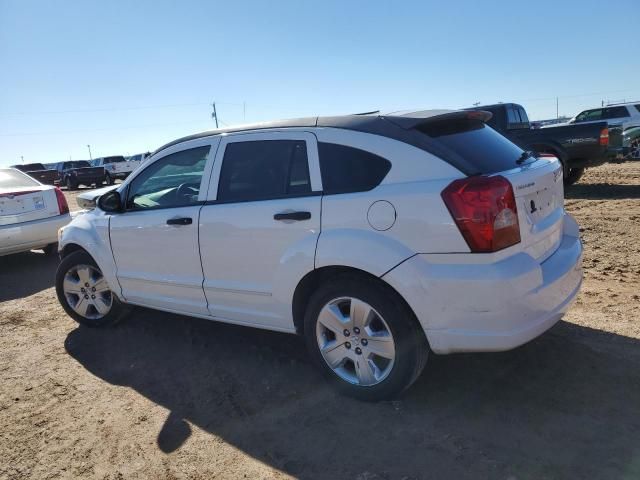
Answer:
(180, 221)
(295, 216)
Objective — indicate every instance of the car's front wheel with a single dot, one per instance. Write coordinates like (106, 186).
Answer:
(364, 337)
(84, 292)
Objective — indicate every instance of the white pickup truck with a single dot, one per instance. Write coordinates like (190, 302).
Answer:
(115, 167)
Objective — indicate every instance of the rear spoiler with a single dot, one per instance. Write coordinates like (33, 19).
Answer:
(415, 119)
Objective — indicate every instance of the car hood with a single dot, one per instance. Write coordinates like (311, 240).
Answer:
(88, 199)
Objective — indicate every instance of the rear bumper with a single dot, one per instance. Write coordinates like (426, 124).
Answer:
(466, 307)
(25, 236)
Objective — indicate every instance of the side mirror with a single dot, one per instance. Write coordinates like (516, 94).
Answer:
(110, 202)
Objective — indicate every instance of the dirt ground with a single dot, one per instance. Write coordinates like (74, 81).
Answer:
(169, 397)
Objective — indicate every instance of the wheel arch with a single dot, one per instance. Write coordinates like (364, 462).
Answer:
(312, 280)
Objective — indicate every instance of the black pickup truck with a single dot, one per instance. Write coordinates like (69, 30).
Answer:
(39, 172)
(79, 172)
(577, 146)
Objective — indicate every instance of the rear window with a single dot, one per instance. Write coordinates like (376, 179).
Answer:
(347, 169)
(616, 112)
(113, 159)
(77, 164)
(477, 144)
(15, 179)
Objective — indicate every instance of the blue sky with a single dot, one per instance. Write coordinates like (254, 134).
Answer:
(126, 77)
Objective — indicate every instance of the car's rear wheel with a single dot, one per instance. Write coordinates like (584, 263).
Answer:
(84, 292)
(108, 179)
(364, 337)
(573, 176)
(71, 185)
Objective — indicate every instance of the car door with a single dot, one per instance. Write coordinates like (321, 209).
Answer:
(260, 225)
(155, 240)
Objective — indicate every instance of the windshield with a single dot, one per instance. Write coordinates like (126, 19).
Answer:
(14, 179)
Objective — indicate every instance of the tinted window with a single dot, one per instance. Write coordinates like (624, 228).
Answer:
(476, 143)
(116, 159)
(512, 115)
(589, 115)
(523, 115)
(637, 108)
(15, 179)
(260, 170)
(76, 164)
(172, 181)
(346, 169)
(615, 112)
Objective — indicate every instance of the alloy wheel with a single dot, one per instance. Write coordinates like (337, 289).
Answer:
(355, 341)
(87, 292)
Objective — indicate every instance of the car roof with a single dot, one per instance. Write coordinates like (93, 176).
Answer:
(374, 122)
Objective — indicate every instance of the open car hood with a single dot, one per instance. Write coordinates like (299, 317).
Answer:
(87, 200)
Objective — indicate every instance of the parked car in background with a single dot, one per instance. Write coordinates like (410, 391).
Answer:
(576, 146)
(74, 173)
(39, 172)
(115, 167)
(138, 159)
(376, 237)
(625, 114)
(628, 146)
(30, 213)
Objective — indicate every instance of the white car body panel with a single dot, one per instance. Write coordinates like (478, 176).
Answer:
(250, 279)
(236, 264)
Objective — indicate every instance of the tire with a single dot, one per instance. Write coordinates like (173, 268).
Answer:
(96, 313)
(574, 176)
(51, 249)
(108, 180)
(71, 185)
(390, 317)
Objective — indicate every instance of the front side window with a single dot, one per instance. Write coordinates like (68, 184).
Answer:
(263, 170)
(589, 115)
(172, 181)
(512, 115)
(347, 169)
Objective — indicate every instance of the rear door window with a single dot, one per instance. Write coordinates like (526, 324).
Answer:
(477, 144)
(347, 169)
(264, 170)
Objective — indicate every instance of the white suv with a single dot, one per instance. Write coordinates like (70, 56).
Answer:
(625, 115)
(378, 238)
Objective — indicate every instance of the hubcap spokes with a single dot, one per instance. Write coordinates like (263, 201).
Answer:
(87, 292)
(355, 341)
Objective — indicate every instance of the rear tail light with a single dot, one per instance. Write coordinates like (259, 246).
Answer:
(604, 137)
(63, 206)
(484, 209)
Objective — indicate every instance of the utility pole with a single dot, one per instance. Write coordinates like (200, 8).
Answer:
(557, 109)
(90, 157)
(214, 115)
(22, 158)
(476, 104)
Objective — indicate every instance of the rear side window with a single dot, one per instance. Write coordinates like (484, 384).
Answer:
(637, 108)
(263, 170)
(347, 169)
(615, 112)
(477, 144)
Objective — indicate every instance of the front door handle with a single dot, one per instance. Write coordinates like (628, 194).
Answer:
(295, 216)
(180, 221)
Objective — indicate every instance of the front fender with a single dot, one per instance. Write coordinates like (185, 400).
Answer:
(91, 232)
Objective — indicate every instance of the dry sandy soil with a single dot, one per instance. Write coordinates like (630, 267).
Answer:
(166, 397)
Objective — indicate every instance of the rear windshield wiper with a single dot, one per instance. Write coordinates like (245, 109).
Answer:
(525, 155)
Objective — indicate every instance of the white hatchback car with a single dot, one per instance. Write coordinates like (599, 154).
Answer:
(377, 237)
(30, 213)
